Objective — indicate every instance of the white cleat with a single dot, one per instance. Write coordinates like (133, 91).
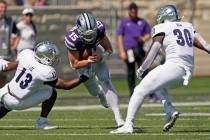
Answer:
(103, 101)
(44, 125)
(123, 130)
(170, 120)
(120, 123)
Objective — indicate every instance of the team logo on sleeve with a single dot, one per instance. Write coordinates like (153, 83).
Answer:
(52, 75)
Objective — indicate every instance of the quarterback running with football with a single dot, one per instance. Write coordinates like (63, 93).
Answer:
(34, 82)
(88, 47)
(176, 39)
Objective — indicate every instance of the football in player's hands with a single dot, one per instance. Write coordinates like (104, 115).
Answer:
(85, 55)
(95, 58)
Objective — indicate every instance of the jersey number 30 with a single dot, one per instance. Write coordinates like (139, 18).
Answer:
(24, 83)
(183, 38)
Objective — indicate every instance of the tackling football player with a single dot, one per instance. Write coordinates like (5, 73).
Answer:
(34, 82)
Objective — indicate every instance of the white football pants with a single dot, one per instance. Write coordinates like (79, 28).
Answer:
(100, 83)
(161, 78)
(13, 103)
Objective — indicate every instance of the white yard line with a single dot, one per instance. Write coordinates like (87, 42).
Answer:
(92, 107)
(192, 114)
(103, 119)
(106, 134)
(104, 126)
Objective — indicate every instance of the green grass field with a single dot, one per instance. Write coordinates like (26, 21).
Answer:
(95, 124)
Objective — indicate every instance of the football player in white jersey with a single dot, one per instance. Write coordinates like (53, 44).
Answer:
(33, 82)
(177, 39)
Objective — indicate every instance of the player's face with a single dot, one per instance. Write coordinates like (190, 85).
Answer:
(3, 9)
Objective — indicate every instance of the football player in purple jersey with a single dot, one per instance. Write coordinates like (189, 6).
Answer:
(88, 47)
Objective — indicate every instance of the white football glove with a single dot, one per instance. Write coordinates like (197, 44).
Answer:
(3, 64)
(139, 73)
(106, 54)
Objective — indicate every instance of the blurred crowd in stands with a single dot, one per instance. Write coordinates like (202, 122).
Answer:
(27, 2)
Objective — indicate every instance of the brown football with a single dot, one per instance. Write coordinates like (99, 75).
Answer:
(85, 55)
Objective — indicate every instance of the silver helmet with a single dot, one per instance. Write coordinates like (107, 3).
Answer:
(87, 27)
(168, 13)
(46, 53)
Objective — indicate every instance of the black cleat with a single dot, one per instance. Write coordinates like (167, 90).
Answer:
(3, 110)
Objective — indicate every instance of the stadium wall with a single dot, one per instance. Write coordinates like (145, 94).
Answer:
(53, 21)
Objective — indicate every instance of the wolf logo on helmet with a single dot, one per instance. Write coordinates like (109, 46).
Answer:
(46, 53)
(168, 13)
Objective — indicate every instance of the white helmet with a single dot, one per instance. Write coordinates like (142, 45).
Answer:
(46, 53)
(168, 13)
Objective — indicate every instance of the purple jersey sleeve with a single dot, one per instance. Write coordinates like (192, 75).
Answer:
(101, 30)
(120, 30)
(71, 39)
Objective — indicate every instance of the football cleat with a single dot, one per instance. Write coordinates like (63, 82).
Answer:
(170, 120)
(123, 130)
(120, 123)
(44, 125)
(3, 110)
(103, 101)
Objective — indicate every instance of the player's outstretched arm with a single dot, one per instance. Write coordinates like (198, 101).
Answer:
(200, 43)
(7, 66)
(156, 45)
(62, 84)
(11, 66)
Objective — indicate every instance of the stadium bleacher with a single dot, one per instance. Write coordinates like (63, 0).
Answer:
(54, 20)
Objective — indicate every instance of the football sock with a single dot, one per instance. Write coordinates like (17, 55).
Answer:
(166, 101)
(42, 119)
(135, 103)
(112, 100)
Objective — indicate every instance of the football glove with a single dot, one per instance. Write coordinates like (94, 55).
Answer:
(83, 78)
(139, 73)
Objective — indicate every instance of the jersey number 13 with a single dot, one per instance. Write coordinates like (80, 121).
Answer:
(24, 83)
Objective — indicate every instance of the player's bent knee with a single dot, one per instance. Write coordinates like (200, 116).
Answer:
(93, 87)
(94, 91)
(54, 94)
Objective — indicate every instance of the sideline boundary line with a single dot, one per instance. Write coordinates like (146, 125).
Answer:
(92, 107)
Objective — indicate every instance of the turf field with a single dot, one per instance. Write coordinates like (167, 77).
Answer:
(80, 116)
